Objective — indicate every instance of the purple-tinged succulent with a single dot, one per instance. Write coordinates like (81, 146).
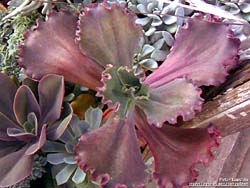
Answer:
(203, 53)
(29, 115)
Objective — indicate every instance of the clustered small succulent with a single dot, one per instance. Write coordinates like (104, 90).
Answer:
(140, 61)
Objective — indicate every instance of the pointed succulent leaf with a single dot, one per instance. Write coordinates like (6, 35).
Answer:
(176, 151)
(38, 143)
(7, 93)
(64, 175)
(118, 151)
(166, 103)
(108, 35)
(58, 128)
(70, 160)
(15, 167)
(56, 158)
(78, 127)
(6, 123)
(58, 53)
(25, 103)
(94, 117)
(79, 176)
(213, 54)
(53, 147)
(51, 92)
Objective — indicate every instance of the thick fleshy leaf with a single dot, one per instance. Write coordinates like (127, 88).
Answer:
(38, 142)
(203, 52)
(167, 102)
(64, 175)
(57, 129)
(15, 167)
(7, 93)
(58, 53)
(112, 152)
(20, 134)
(24, 104)
(7, 147)
(6, 123)
(108, 35)
(176, 150)
(79, 176)
(51, 92)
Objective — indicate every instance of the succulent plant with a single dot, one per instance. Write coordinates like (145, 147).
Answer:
(27, 122)
(102, 59)
(62, 155)
(11, 35)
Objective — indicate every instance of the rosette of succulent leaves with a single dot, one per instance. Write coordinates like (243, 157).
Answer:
(29, 115)
(61, 154)
(101, 48)
(101, 43)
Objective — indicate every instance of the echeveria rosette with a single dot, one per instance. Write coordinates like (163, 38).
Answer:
(26, 123)
(109, 46)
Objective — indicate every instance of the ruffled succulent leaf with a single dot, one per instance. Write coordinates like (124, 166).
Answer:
(121, 88)
(176, 151)
(51, 92)
(58, 128)
(58, 53)
(108, 35)
(15, 167)
(201, 47)
(94, 117)
(25, 103)
(6, 123)
(118, 151)
(167, 102)
(7, 93)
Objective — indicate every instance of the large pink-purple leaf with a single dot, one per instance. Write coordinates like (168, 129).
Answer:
(203, 51)
(112, 152)
(25, 102)
(7, 93)
(15, 167)
(6, 123)
(176, 151)
(9, 147)
(51, 93)
(108, 35)
(51, 48)
(167, 102)
(38, 142)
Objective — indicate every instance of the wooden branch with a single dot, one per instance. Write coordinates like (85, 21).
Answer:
(230, 112)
